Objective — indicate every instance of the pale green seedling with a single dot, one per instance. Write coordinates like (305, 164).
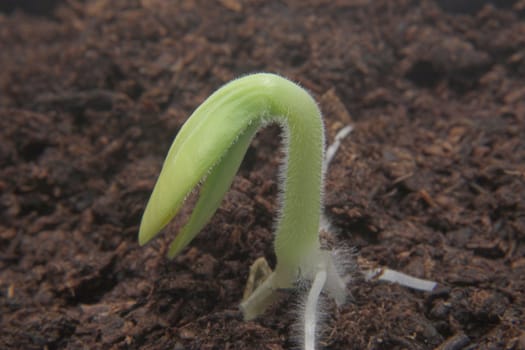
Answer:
(206, 155)
(208, 151)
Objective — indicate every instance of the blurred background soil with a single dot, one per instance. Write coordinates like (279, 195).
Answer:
(431, 182)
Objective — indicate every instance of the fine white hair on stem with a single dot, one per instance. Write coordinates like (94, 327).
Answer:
(283, 170)
(310, 310)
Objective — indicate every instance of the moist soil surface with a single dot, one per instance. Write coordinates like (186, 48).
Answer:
(431, 182)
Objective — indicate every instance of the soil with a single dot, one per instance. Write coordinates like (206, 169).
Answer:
(430, 183)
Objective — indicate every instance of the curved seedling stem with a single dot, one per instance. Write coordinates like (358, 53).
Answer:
(209, 149)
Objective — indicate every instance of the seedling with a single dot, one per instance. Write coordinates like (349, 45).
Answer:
(207, 153)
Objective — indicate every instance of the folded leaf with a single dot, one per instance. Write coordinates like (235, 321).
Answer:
(212, 191)
(201, 143)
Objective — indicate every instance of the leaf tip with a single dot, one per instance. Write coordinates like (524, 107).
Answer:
(144, 234)
(150, 224)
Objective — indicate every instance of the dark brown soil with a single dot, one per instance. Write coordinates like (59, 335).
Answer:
(431, 182)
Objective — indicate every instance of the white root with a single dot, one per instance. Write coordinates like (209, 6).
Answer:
(310, 310)
(392, 276)
(331, 150)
